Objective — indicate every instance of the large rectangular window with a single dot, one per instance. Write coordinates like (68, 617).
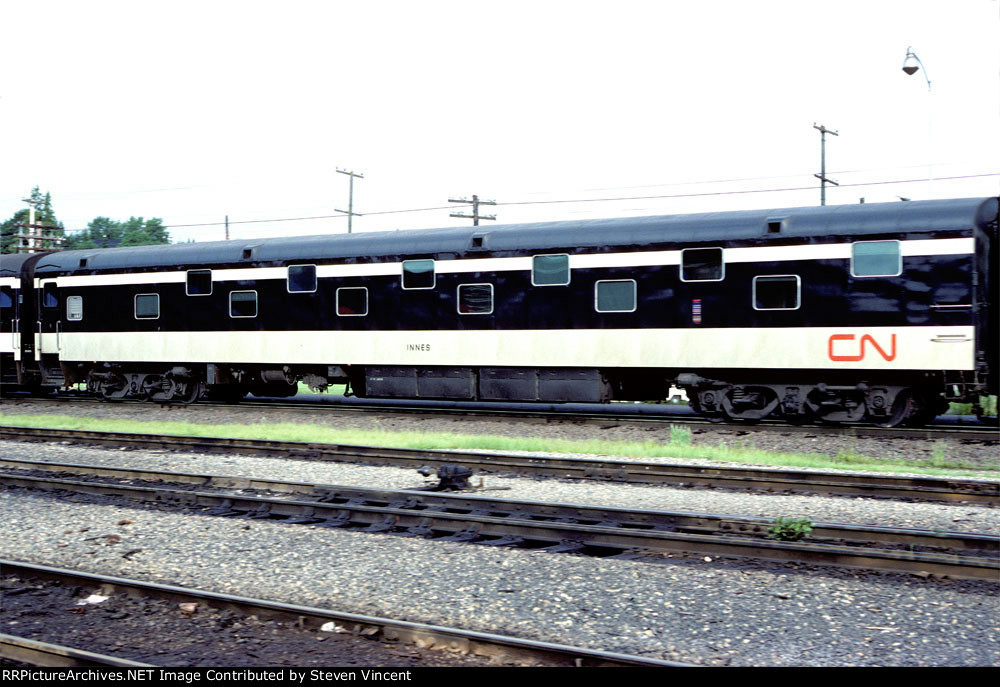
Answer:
(475, 299)
(352, 301)
(199, 283)
(550, 270)
(301, 278)
(876, 259)
(615, 295)
(777, 292)
(147, 306)
(702, 264)
(243, 304)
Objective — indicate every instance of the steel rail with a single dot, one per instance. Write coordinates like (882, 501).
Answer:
(466, 641)
(516, 527)
(37, 653)
(465, 503)
(774, 479)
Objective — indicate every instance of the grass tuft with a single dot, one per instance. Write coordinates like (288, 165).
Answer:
(679, 446)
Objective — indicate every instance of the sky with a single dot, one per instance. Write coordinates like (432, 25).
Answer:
(192, 111)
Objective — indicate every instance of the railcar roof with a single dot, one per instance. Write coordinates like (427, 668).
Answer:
(847, 220)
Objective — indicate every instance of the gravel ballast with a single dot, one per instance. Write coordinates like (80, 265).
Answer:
(688, 609)
(698, 611)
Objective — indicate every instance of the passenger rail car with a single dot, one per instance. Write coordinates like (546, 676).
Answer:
(875, 312)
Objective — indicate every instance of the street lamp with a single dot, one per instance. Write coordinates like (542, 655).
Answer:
(911, 65)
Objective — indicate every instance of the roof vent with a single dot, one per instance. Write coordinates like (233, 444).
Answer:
(248, 252)
(775, 225)
(479, 241)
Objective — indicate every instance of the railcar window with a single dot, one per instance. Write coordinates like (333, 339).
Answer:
(74, 308)
(147, 306)
(702, 264)
(550, 270)
(50, 299)
(199, 282)
(352, 301)
(243, 304)
(615, 296)
(6, 299)
(777, 292)
(301, 278)
(418, 274)
(475, 299)
(876, 259)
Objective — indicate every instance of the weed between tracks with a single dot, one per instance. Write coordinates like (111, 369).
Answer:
(680, 443)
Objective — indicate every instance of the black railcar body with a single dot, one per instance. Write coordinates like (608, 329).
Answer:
(878, 312)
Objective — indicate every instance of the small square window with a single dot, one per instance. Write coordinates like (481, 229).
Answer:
(702, 264)
(199, 283)
(615, 296)
(74, 308)
(147, 306)
(352, 301)
(301, 279)
(876, 259)
(418, 274)
(243, 304)
(550, 270)
(6, 297)
(777, 292)
(475, 299)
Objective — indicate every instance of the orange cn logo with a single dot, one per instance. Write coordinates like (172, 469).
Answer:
(859, 347)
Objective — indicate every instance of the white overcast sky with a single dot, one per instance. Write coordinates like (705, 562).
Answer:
(191, 111)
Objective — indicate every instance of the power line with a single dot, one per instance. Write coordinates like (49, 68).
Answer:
(575, 200)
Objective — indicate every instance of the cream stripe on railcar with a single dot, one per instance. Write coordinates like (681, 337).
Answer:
(871, 348)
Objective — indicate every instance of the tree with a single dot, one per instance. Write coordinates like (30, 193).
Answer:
(44, 214)
(103, 232)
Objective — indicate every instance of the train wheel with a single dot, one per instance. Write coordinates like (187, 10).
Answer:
(903, 408)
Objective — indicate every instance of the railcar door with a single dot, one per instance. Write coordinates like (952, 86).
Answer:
(49, 317)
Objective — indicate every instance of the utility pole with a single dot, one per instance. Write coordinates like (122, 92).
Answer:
(823, 131)
(475, 202)
(36, 237)
(350, 197)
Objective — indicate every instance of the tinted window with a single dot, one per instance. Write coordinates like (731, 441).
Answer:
(475, 299)
(702, 264)
(550, 270)
(352, 301)
(418, 274)
(780, 292)
(6, 300)
(243, 304)
(301, 278)
(50, 299)
(74, 308)
(876, 259)
(147, 306)
(199, 283)
(615, 296)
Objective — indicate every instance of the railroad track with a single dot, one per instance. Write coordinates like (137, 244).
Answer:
(981, 492)
(618, 413)
(557, 527)
(499, 647)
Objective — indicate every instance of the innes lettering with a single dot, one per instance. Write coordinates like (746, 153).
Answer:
(850, 352)
(418, 347)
